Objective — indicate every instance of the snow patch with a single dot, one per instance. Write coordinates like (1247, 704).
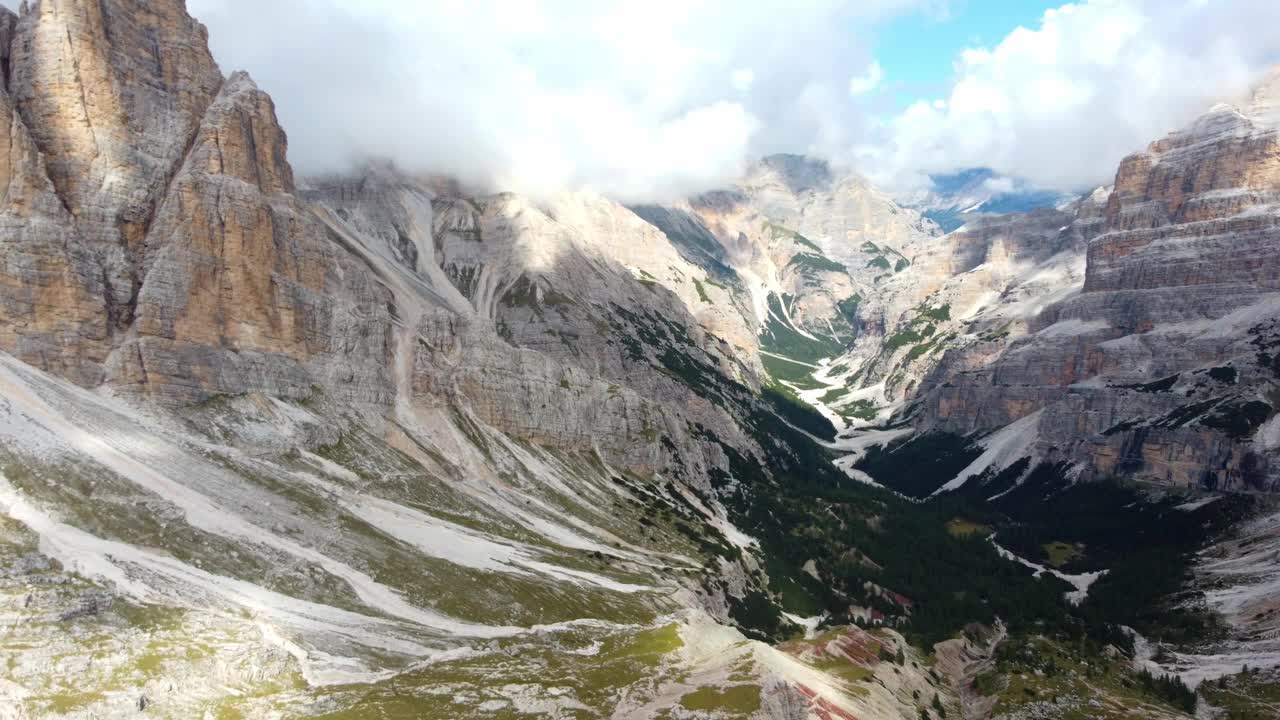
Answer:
(810, 624)
(1081, 582)
(1007, 446)
(1197, 504)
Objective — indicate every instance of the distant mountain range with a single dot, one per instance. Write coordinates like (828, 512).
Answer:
(377, 445)
(955, 198)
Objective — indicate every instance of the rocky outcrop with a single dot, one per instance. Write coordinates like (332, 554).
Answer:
(798, 246)
(545, 275)
(837, 210)
(545, 322)
(162, 254)
(382, 418)
(966, 297)
(795, 226)
(1160, 367)
(52, 302)
(243, 289)
(112, 93)
(154, 243)
(530, 395)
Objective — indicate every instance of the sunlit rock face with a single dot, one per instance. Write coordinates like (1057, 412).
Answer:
(156, 247)
(161, 251)
(800, 249)
(385, 444)
(1162, 366)
(545, 320)
(794, 226)
(112, 94)
(363, 422)
(243, 288)
(52, 300)
(970, 294)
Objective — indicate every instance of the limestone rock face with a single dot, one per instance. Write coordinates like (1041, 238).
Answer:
(244, 289)
(1212, 186)
(155, 242)
(963, 300)
(578, 278)
(157, 249)
(1162, 366)
(797, 247)
(52, 307)
(533, 396)
(152, 240)
(543, 322)
(112, 93)
(387, 417)
(795, 227)
(836, 210)
(263, 368)
(967, 294)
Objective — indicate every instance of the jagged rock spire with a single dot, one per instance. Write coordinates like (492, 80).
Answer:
(112, 92)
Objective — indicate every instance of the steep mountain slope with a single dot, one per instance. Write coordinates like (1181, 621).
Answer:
(969, 294)
(238, 286)
(1160, 368)
(1034, 366)
(601, 347)
(290, 357)
(380, 445)
(805, 245)
(332, 451)
(188, 268)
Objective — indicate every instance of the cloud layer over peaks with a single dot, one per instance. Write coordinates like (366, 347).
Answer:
(655, 100)
(637, 100)
(1063, 103)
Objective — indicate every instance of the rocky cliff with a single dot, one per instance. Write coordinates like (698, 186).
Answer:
(802, 245)
(160, 249)
(380, 444)
(1160, 367)
(548, 386)
(341, 429)
(546, 320)
(157, 246)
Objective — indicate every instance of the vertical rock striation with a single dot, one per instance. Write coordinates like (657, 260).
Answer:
(52, 302)
(113, 93)
(153, 240)
(244, 289)
(1161, 368)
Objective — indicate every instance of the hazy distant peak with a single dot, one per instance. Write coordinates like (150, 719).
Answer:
(798, 172)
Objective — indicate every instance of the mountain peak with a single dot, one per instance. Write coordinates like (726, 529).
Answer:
(797, 172)
(378, 434)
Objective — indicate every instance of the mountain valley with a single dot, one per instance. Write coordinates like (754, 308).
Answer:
(378, 444)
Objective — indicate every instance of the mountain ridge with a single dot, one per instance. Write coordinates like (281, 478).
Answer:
(379, 444)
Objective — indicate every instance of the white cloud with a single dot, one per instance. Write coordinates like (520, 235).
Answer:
(867, 81)
(1063, 103)
(657, 100)
(999, 185)
(642, 101)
